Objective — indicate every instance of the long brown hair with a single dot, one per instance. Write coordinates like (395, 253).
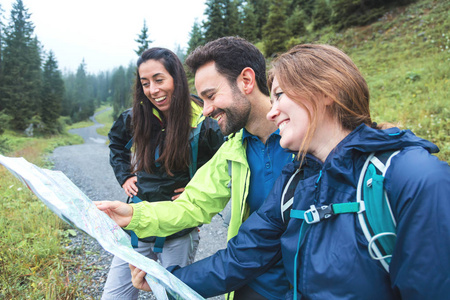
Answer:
(173, 144)
(311, 70)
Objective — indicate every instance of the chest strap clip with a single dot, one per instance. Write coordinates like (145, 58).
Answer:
(316, 214)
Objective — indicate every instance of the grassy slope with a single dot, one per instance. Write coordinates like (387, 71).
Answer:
(405, 58)
(32, 262)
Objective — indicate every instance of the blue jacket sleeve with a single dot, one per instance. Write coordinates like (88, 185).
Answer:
(249, 254)
(418, 186)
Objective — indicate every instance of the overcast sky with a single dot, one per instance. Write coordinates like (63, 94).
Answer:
(103, 32)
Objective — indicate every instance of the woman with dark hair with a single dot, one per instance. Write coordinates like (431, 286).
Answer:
(171, 139)
(320, 103)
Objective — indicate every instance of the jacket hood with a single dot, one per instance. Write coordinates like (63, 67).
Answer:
(366, 140)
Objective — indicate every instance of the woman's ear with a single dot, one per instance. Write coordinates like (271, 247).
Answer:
(327, 100)
(247, 80)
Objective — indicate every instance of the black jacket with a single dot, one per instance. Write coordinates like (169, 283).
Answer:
(158, 185)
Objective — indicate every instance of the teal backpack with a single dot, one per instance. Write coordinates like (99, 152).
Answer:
(372, 207)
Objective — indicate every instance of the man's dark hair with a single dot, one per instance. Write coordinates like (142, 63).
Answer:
(231, 55)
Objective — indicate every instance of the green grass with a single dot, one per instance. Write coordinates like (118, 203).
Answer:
(33, 263)
(35, 149)
(106, 119)
(82, 124)
(405, 58)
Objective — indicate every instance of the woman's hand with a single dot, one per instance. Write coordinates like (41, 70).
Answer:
(180, 190)
(120, 212)
(138, 279)
(130, 187)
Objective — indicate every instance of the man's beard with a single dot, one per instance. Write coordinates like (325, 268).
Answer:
(237, 115)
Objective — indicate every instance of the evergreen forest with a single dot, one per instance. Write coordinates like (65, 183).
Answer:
(36, 98)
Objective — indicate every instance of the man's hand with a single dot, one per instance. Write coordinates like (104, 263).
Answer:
(120, 212)
(130, 187)
(138, 279)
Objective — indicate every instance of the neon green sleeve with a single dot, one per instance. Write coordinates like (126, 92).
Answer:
(205, 195)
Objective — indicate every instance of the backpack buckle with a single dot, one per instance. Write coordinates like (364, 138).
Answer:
(316, 214)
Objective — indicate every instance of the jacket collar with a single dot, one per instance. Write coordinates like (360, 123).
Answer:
(197, 115)
(247, 135)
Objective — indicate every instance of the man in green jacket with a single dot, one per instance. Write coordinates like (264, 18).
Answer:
(230, 77)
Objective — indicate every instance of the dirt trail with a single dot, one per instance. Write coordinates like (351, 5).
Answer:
(87, 165)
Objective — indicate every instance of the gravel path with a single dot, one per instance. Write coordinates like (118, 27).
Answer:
(87, 165)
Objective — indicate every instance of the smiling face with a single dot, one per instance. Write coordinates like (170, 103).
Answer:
(223, 102)
(157, 84)
(292, 119)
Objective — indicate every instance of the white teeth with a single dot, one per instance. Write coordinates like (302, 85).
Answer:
(160, 99)
(218, 117)
(282, 125)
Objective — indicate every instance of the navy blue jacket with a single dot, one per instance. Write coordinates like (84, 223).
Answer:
(333, 261)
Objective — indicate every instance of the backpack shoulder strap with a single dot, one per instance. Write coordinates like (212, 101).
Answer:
(377, 220)
(194, 138)
(129, 144)
(196, 124)
(287, 198)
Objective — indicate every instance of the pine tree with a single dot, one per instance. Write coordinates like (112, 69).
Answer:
(93, 83)
(321, 14)
(296, 22)
(21, 68)
(2, 105)
(52, 94)
(143, 40)
(249, 23)
(3, 117)
(69, 95)
(275, 31)
(92, 98)
(103, 91)
(307, 6)
(179, 51)
(130, 75)
(261, 10)
(232, 18)
(83, 105)
(214, 25)
(35, 74)
(196, 37)
(346, 13)
(119, 91)
(80, 93)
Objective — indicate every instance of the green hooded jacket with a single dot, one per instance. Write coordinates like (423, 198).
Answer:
(206, 195)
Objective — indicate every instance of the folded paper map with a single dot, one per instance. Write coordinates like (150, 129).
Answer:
(66, 200)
